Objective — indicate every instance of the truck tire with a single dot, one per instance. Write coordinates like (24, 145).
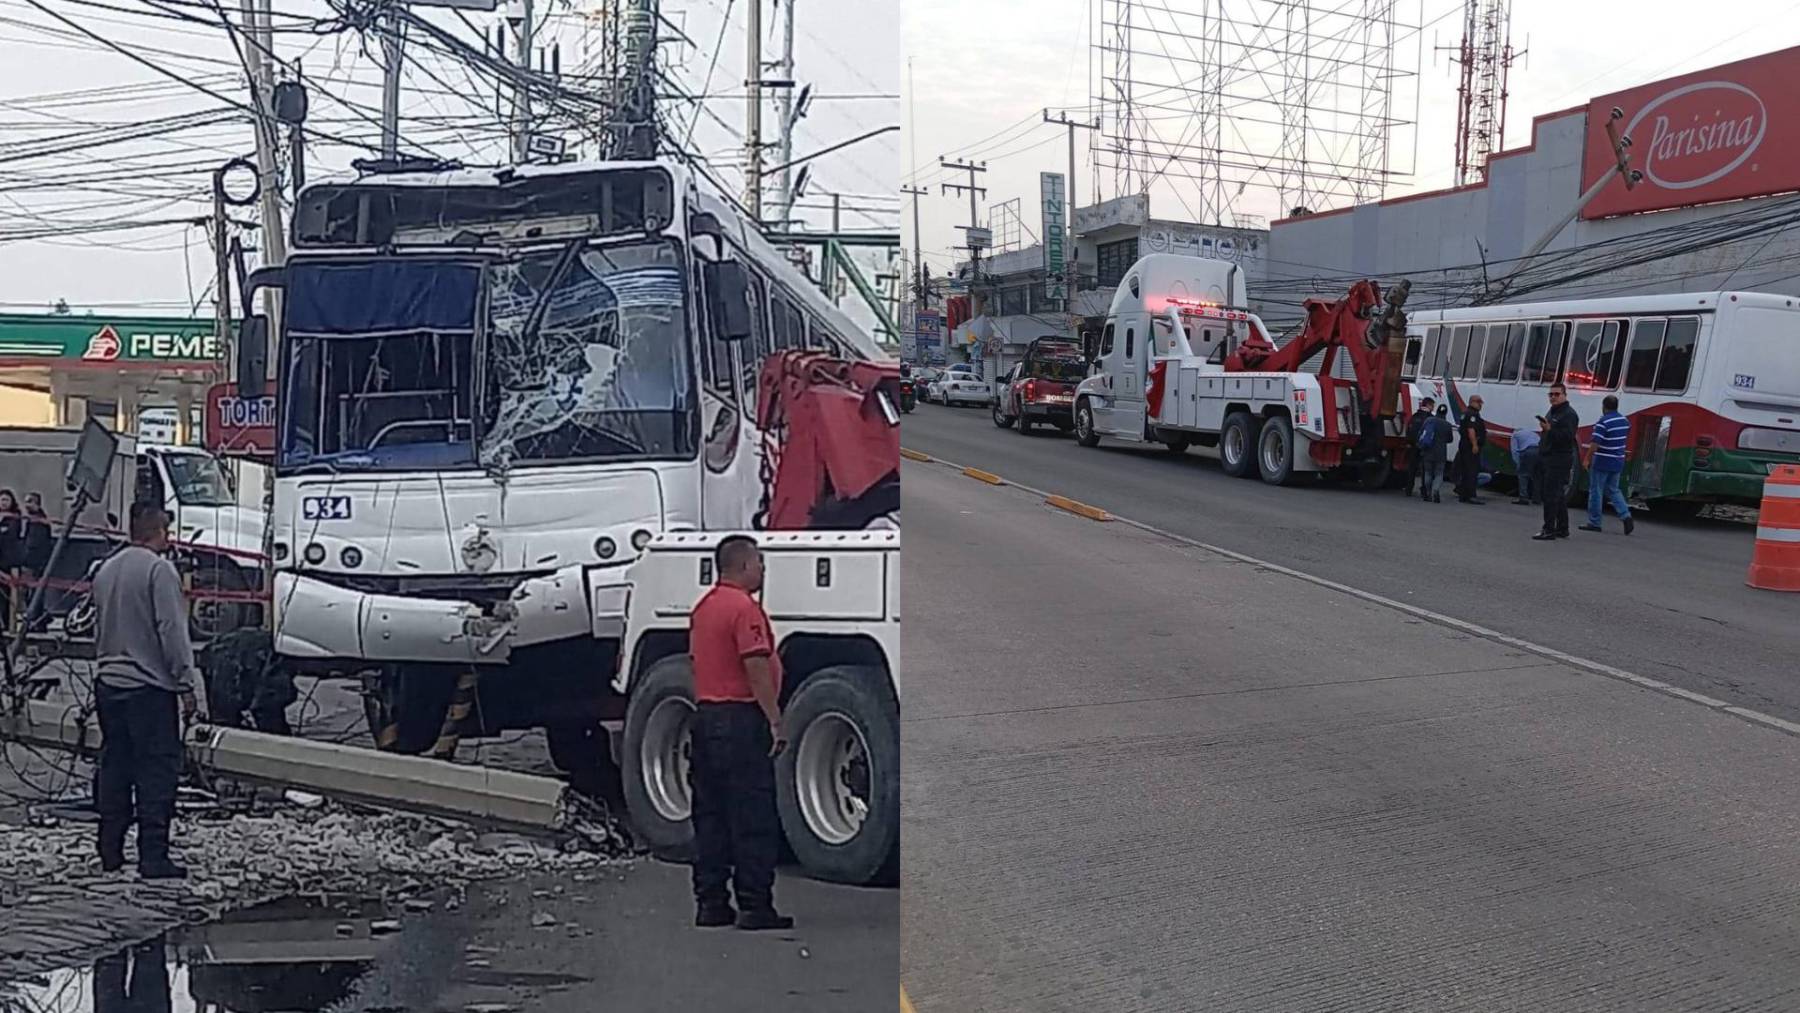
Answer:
(1084, 424)
(1237, 445)
(1023, 424)
(1001, 420)
(655, 755)
(584, 752)
(1275, 451)
(837, 785)
(1176, 443)
(406, 710)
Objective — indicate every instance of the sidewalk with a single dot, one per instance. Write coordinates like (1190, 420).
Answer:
(1142, 776)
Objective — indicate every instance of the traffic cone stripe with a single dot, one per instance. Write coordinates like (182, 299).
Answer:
(1775, 564)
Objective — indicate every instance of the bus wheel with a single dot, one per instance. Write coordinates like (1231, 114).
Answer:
(1676, 509)
(1084, 425)
(1236, 445)
(656, 755)
(1275, 451)
(837, 785)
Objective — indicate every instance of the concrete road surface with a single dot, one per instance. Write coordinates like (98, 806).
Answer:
(1669, 601)
(1141, 776)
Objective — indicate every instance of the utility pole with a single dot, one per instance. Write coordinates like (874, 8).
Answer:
(391, 42)
(259, 26)
(785, 110)
(1069, 260)
(521, 93)
(974, 222)
(753, 111)
(918, 246)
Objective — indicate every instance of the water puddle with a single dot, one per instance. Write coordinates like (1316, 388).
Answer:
(288, 956)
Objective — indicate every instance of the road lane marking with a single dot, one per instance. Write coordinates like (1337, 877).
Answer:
(1461, 625)
(906, 1005)
(1092, 513)
(984, 476)
(914, 455)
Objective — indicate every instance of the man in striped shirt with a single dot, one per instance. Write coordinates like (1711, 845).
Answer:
(1610, 435)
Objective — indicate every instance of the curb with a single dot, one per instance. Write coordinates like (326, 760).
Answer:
(913, 455)
(906, 1005)
(984, 476)
(1080, 509)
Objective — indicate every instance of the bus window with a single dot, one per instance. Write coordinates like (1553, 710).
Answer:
(1459, 349)
(1612, 353)
(1496, 352)
(1640, 361)
(1677, 355)
(1553, 360)
(1409, 368)
(1583, 353)
(751, 353)
(796, 325)
(1471, 366)
(1515, 352)
(1428, 360)
(1537, 347)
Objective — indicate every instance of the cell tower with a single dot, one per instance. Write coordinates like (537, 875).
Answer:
(1486, 56)
(1244, 109)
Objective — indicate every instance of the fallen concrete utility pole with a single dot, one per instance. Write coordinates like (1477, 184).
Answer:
(409, 783)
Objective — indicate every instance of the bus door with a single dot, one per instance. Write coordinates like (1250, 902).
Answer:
(731, 449)
(1649, 452)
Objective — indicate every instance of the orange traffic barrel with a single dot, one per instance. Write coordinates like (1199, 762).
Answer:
(1775, 566)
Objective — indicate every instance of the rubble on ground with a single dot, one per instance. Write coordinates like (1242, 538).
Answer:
(56, 905)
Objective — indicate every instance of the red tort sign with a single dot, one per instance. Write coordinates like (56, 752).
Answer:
(1713, 135)
(239, 427)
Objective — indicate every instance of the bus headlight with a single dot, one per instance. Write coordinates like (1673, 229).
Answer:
(351, 557)
(315, 553)
(605, 547)
(639, 539)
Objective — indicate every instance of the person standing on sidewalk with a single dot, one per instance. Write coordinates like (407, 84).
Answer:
(1525, 441)
(1556, 456)
(1611, 432)
(736, 737)
(1414, 426)
(1471, 442)
(145, 687)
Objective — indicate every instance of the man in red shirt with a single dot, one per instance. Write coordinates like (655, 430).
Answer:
(736, 736)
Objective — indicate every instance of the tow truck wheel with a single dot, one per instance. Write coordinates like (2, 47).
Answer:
(656, 755)
(1275, 451)
(1084, 425)
(1001, 420)
(1237, 442)
(837, 785)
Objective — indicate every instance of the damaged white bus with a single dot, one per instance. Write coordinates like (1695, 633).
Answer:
(494, 388)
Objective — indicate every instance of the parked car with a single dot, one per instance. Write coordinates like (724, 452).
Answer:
(1040, 390)
(960, 388)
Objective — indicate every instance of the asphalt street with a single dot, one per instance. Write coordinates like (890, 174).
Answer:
(1141, 776)
(1668, 602)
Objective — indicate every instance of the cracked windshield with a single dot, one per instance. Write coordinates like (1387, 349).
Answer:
(602, 372)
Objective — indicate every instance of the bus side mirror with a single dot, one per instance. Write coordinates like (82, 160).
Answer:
(253, 356)
(728, 299)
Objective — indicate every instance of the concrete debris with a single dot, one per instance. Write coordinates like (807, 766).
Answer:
(543, 920)
(50, 877)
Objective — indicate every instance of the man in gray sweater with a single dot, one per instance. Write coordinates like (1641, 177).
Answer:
(145, 686)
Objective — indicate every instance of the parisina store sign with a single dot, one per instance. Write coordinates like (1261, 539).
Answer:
(1713, 135)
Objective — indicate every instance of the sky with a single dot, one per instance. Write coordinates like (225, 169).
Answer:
(56, 82)
(978, 76)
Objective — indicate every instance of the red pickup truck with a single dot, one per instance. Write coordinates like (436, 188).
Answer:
(1041, 388)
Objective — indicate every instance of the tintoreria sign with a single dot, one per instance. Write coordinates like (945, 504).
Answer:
(1050, 194)
(1713, 135)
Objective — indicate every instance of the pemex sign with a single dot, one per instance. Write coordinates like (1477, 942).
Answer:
(100, 341)
(1713, 135)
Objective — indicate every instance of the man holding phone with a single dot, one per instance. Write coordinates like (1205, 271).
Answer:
(736, 737)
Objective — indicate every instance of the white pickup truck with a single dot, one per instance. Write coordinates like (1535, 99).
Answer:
(833, 598)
